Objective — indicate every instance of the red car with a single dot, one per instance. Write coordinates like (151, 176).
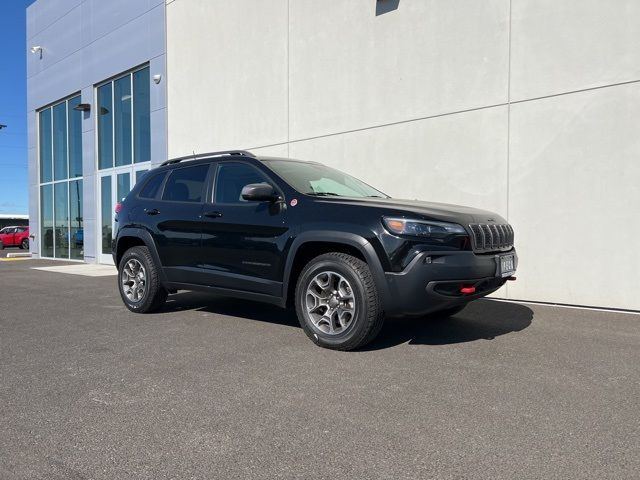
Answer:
(14, 237)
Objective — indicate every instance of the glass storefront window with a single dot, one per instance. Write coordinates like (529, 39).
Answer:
(76, 236)
(61, 220)
(122, 120)
(105, 127)
(60, 166)
(46, 220)
(141, 117)
(74, 128)
(124, 186)
(106, 213)
(60, 156)
(45, 146)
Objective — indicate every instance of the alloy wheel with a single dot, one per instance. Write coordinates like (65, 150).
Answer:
(134, 280)
(330, 303)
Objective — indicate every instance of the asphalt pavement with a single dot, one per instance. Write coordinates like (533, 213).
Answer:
(216, 388)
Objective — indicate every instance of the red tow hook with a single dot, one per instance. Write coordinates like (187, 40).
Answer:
(467, 290)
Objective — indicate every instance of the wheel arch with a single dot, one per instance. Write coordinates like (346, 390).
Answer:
(131, 237)
(311, 244)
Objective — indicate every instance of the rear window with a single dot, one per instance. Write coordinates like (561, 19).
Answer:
(185, 184)
(150, 189)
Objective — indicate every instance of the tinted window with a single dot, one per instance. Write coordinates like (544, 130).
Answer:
(151, 188)
(185, 184)
(232, 177)
(21, 229)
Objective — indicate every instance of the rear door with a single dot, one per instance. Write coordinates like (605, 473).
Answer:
(176, 223)
(243, 241)
(20, 235)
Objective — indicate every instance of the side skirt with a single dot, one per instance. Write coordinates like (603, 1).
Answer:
(228, 292)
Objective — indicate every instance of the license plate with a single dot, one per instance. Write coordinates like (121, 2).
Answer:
(506, 265)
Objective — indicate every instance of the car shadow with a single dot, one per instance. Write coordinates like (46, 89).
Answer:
(481, 320)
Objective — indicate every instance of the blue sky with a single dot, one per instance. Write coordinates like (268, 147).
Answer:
(13, 107)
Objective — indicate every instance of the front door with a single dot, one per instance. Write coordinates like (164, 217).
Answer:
(113, 187)
(242, 241)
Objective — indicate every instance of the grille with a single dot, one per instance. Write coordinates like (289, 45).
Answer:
(489, 237)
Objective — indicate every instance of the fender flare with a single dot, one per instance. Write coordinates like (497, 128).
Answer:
(147, 239)
(351, 239)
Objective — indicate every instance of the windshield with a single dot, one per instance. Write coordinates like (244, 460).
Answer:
(317, 179)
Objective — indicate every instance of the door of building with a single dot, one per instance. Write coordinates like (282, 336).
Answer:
(113, 185)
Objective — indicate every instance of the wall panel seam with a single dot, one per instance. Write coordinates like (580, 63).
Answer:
(54, 21)
(94, 41)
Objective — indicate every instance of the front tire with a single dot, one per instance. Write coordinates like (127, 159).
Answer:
(337, 302)
(139, 281)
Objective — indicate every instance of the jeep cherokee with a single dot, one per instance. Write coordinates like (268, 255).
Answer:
(301, 234)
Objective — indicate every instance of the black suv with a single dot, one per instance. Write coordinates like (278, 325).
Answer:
(301, 234)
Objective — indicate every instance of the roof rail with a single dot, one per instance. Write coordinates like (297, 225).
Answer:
(223, 153)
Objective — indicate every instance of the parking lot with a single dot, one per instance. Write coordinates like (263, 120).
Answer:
(218, 388)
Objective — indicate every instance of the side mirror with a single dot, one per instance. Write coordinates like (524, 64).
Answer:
(259, 192)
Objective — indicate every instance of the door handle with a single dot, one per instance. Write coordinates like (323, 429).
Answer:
(213, 214)
(151, 211)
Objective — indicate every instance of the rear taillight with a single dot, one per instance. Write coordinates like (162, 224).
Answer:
(118, 207)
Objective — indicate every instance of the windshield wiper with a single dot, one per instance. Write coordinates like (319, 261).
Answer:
(323, 194)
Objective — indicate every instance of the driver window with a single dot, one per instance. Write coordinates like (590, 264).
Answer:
(231, 178)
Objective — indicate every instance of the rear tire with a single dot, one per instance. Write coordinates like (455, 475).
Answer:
(24, 245)
(139, 281)
(337, 302)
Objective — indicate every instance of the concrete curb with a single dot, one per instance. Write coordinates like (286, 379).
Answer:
(18, 255)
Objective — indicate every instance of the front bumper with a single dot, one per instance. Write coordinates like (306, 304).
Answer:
(432, 281)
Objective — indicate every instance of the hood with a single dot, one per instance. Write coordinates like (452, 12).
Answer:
(424, 210)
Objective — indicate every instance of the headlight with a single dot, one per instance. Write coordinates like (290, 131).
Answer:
(422, 228)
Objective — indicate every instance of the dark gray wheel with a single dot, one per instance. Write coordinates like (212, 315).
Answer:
(337, 302)
(25, 244)
(139, 281)
(1, 245)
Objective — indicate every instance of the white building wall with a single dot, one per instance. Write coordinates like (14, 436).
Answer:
(439, 100)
